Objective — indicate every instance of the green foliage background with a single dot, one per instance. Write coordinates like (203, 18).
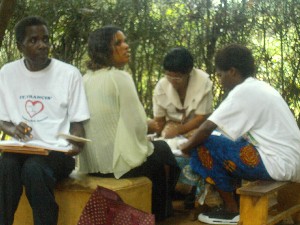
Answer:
(270, 28)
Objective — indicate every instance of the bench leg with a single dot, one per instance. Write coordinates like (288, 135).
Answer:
(253, 210)
(288, 197)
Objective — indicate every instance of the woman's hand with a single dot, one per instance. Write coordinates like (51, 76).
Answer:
(156, 125)
(184, 149)
(199, 137)
(171, 131)
(153, 126)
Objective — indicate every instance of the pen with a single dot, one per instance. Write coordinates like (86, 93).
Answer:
(28, 130)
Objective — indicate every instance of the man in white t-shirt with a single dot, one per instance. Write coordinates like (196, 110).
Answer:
(39, 98)
(260, 140)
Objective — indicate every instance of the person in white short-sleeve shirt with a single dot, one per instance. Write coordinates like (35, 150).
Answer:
(264, 119)
(182, 100)
(40, 97)
(253, 113)
(183, 96)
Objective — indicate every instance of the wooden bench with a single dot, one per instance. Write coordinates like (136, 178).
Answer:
(73, 193)
(256, 207)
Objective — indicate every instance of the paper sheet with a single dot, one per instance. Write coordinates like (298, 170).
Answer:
(73, 137)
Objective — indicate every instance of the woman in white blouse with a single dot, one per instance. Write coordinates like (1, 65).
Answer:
(183, 96)
(182, 100)
(118, 124)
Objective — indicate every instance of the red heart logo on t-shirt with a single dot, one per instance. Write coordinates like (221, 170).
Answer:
(33, 107)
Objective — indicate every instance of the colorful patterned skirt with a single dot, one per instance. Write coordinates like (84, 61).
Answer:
(224, 163)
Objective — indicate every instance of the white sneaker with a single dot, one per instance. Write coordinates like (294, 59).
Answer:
(219, 217)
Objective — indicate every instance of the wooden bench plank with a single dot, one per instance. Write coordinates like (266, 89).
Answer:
(260, 188)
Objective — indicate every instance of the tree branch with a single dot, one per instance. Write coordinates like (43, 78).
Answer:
(6, 11)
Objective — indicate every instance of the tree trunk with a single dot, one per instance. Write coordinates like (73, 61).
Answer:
(6, 11)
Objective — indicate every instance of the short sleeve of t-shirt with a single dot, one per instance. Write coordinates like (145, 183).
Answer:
(78, 108)
(233, 116)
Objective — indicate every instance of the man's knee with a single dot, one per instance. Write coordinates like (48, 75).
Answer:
(34, 169)
(8, 165)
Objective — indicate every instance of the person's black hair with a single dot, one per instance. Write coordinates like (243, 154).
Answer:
(238, 57)
(20, 28)
(100, 47)
(178, 60)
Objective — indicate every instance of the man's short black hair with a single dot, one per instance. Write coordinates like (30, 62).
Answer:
(238, 57)
(178, 60)
(20, 28)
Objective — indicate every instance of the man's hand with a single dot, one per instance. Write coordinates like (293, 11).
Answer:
(76, 148)
(76, 129)
(22, 132)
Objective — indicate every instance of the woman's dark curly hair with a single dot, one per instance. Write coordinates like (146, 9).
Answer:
(238, 57)
(100, 47)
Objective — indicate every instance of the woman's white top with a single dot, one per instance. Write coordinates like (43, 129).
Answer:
(117, 126)
(256, 111)
(198, 100)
